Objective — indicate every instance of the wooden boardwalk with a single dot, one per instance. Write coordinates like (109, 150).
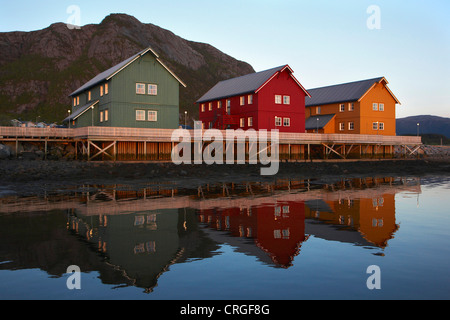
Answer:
(101, 143)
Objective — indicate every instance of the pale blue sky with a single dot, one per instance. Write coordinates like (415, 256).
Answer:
(325, 42)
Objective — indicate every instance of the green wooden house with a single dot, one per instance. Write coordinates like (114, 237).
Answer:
(140, 92)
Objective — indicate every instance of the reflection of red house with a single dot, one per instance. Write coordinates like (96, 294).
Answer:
(271, 99)
(278, 229)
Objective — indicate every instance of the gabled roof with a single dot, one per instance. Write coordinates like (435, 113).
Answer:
(250, 83)
(111, 72)
(353, 91)
(318, 121)
(80, 111)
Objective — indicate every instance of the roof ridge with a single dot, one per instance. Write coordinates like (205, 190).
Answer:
(347, 83)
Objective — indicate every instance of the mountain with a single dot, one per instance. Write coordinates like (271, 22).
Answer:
(427, 125)
(39, 69)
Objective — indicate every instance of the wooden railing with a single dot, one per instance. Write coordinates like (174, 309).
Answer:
(165, 135)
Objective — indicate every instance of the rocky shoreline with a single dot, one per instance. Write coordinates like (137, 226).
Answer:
(34, 177)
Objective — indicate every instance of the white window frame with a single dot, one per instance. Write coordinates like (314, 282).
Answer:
(202, 106)
(318, 110)
(242, 122)
(278, 99)
(342, 107)
(210, 106)
(375, 125)
(153, 89)
(351, 107)
(219, 104)
(380, 125)
(341, 126)
(286, 122)
(278, 121)
(351, 126)
(140, 88)
(140, 115)
(250, 99)
(381, 107)
(287, 100)
(250, 122)
(374, 106)
(152, 115)
(242, 101)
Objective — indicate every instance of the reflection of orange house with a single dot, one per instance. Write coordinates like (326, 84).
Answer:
(374, 218)
(278, 229)
(362, 107)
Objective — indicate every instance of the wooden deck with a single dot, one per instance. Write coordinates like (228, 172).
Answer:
(157, 144)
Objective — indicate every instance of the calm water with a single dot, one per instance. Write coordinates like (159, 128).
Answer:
(287, 240)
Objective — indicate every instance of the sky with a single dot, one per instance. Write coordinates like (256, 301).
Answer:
(325, 42)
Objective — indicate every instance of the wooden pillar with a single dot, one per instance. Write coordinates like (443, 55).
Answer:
(17, 148)
(45, 149)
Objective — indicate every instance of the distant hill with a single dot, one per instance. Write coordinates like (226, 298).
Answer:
(39, 69)
(428, 125)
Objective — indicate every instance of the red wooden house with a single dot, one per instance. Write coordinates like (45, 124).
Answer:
(271, 99)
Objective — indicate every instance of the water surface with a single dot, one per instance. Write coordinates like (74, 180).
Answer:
(283, 240)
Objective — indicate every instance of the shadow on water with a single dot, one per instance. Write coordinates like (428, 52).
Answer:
(132, 236)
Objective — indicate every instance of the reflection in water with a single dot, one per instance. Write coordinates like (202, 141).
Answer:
(132, 237)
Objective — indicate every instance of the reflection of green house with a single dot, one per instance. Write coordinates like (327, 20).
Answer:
(140, 92)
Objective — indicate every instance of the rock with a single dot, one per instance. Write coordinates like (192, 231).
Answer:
(5, 153)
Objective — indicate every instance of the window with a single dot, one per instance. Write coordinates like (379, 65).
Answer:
(250, 99)
(375, 126)
(375, 106)
(351, 107)
(219, 104)
(78, 101)
(341, 126)
(381, 107)
(286, 100)
(351, 126)
(140, 115)
(242, 122)
(203, 107)
(101, 91)
(318, 110)
(106, 88)
(250, 122)
(153, 89)
(277, 99)
(106, 115)
(74, 102)
(89, 96)
(242, 100)
(342, 107)
(278, 121)
(101, 116)
(211, 125)
(287, 122)
(140, 88)
(210, 106)
(381, 126)
(152, 116)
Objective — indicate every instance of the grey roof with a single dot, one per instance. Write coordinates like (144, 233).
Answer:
(106, 75)
(312, 123)
(352, 91)
(80, 111)
(240, 85)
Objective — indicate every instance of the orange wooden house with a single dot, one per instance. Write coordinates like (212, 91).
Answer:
(361, 107)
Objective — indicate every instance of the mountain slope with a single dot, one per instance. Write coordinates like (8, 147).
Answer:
(39, 69)
(428, 125)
